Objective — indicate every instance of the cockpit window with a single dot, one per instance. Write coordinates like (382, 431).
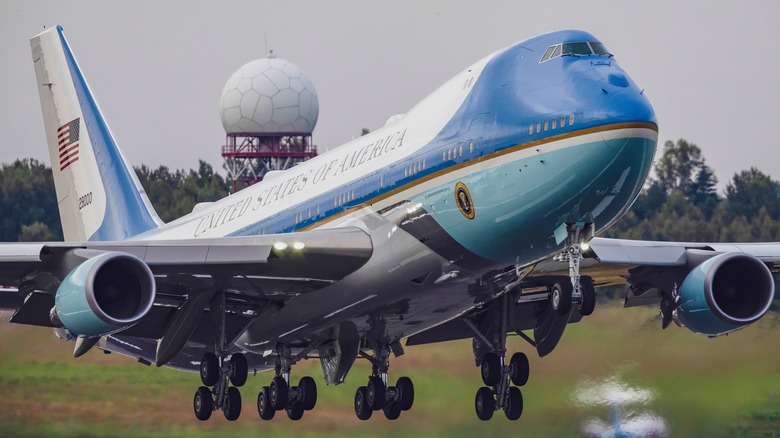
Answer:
(599, 49)
(575, 49)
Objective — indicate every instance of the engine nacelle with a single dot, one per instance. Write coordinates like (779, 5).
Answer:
(725, 293)
(105, 294)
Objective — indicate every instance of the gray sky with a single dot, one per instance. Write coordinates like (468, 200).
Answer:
(158, 68)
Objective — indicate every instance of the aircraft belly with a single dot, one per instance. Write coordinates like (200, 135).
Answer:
(400, 271)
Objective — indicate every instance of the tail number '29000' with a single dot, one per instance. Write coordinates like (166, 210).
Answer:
(85, 200)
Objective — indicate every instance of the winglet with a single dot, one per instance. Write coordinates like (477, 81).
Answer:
(98, 193)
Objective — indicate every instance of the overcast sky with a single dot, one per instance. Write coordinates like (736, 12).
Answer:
(158, 68)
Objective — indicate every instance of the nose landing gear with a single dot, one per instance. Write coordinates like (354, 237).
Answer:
(580, 291)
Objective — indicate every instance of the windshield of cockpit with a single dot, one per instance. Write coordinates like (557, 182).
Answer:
(575, 49)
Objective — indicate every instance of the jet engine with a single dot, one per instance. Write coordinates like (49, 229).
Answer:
(106, 293)
(725, 293)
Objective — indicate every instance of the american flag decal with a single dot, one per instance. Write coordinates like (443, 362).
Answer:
(68, 141)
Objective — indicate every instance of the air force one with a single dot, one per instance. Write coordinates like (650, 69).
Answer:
(471, 216)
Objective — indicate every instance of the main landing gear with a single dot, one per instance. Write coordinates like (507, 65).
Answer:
(279, 395)
(219, 373)
(498, 376)
(577, 290)
(376, 395)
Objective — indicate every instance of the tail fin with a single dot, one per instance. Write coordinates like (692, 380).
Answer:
(99, 195)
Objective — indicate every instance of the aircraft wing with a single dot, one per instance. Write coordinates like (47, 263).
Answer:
(254, 271)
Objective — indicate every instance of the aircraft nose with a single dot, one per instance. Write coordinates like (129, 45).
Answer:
(626, 104)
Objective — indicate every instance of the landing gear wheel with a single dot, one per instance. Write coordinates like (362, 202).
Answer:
(309, 389)
(514, 405)
(392, 411)
(264, 408)
(203, 403)
(406, 388)
(278, 393)
(294, 411)
(491, 369)
(209, 369)
(375, 393)
(485, 404)
(232, 408)
(519, 369)
(588, 301)
(560, 297)
(239, 369)
(362, 409)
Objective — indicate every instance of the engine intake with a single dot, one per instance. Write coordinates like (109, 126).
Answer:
(725, 293)
(105, 294)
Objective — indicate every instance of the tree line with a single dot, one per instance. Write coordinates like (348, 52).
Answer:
(681, 202)
(29, 202)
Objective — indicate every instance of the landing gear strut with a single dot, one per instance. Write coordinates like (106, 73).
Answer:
(280, 395)
(376, 395)
(579, 290)
(498, 376)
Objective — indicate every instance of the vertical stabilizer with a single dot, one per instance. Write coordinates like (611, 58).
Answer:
(98, 193)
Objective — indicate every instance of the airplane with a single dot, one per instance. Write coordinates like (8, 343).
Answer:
(474, 215)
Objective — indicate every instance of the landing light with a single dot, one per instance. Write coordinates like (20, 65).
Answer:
(299, 245)
(584, 246)
(280, 246)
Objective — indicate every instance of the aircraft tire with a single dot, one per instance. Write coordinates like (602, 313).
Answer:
(375, 393)
(519, 369)
(278, 393)
(588, 302)
(392, 411)
(491, 369)
(362, 409)
(264, 408)
(232, 409)
(514, 407)
(209, 369)
(560, 297)
(308, 387)
(294, 411)
(405, 386)
(239, 369)
(485, 404)
(203, 403)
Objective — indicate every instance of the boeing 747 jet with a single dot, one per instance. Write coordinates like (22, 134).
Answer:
(473, 215)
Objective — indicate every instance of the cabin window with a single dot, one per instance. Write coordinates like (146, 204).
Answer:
(554, 122)
(449, 154)
(530, 129)
(538, 128)
(545, 125)
(381, 182)
(318, 210)
(309, 213)
(444, 156)
(571, 119)
(563, 122)
(471, 149)
(423, 164)
(460, 150)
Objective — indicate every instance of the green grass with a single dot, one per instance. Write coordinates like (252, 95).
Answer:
(728, 386)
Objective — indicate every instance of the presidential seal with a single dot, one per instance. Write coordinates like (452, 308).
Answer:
(463, 199)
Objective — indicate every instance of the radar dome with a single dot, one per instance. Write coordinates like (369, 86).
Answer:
(269, 95)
